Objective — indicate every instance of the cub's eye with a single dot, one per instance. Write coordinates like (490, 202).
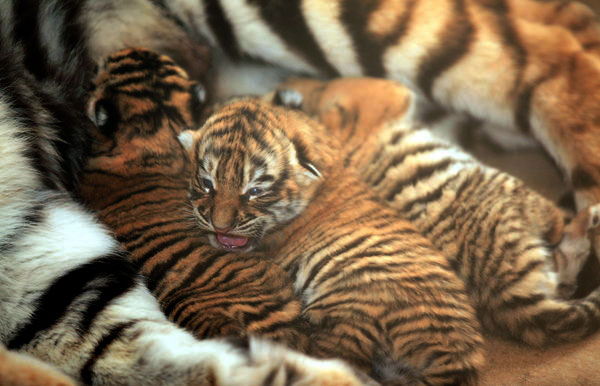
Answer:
(207, 185)
(254, 192)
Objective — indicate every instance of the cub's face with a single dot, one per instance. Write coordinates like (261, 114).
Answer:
(249, 175)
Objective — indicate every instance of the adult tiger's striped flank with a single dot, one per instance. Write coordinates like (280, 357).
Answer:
(511, 247)
(136, 179)
(521, 65)
(374, 291)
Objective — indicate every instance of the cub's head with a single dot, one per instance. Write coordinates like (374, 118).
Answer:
(140, 101)
(256, 167)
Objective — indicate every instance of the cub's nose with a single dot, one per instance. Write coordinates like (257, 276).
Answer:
(223, 230)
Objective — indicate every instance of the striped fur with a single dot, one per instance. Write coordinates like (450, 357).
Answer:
(523, 65)
(373, 291)
(508, 244)
(136, 180)
(67, 295)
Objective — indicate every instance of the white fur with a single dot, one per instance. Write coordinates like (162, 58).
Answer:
(256, 38)
(322, 18)
(186, 138)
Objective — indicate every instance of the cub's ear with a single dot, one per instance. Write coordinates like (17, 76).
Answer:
(104, 114)
(186, 138)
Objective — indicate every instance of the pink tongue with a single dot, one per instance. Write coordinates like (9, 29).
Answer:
(232, 241)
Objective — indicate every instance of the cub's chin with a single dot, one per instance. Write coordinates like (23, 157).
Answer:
(233, 243)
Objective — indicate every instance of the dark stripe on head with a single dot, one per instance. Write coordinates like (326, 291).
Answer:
(114, 334)
(355, 15)
(285, 18)
(222, 28)
(110, 270)
(452, 46)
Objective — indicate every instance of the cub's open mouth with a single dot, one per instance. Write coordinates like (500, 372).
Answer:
(231, 241)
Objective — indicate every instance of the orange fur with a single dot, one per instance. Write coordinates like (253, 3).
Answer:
(498, 235)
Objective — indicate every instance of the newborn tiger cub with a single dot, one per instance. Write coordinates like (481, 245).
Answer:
(510, 246)
(374, 291)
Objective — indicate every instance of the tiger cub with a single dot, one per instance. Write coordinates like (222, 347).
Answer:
(136, 178)
(505, 241)
(374, 291)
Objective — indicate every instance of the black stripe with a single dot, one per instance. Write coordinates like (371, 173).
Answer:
(516, 277)
(173, 298)
(317, 268)
(221, 28)
(114, 334)
(511, 39)
(57, 299)
(160, 270)
(285, 18)
(27, 30)
(431, 196)
(156, 250)
(35, 215)
(126, 197)
(399, 158)
(454, 43)
(136, 233)
(422, 173)
(521, 301)
(582, 179)
(262, 311)
(450, 209)
(72, 34)
(370, 49)
(15, 86)
(524, 100)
